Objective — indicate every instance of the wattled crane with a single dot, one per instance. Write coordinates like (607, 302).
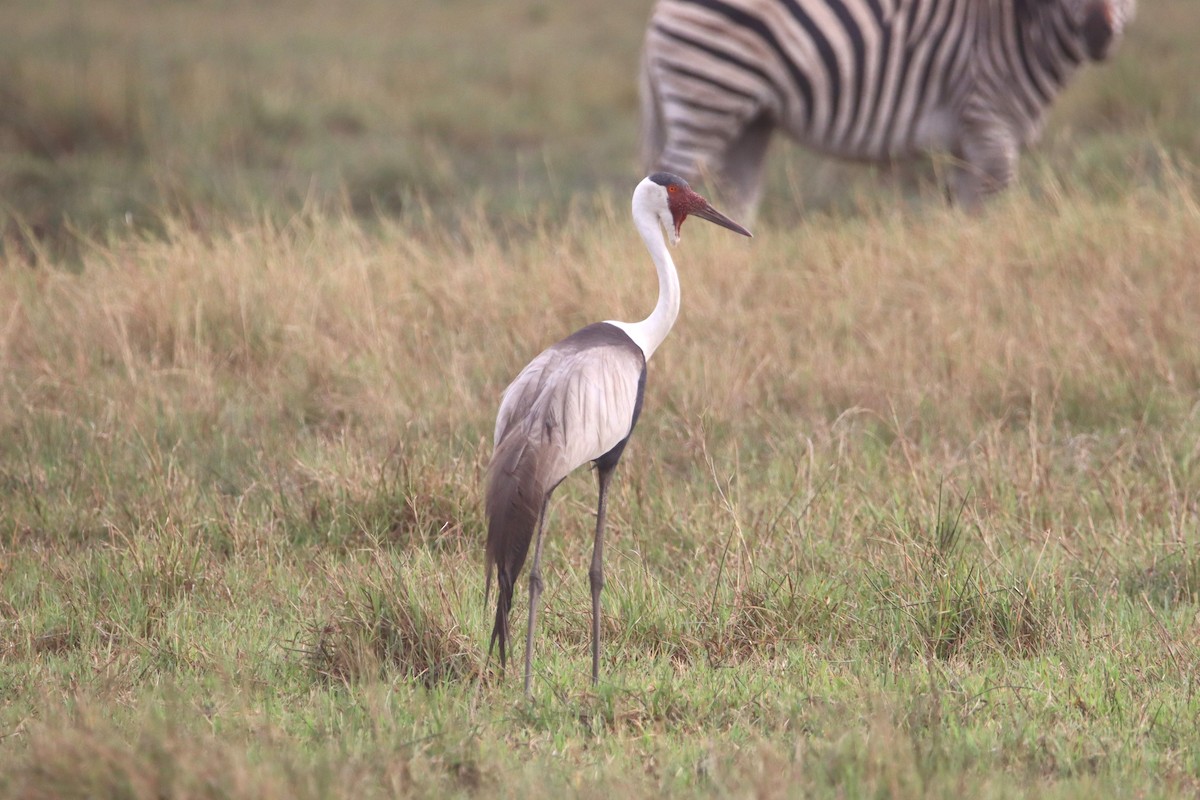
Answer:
(578, 402)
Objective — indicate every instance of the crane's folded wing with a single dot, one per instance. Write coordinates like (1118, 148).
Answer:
(574, 403)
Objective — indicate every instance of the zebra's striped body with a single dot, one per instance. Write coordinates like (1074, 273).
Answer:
(861, 79)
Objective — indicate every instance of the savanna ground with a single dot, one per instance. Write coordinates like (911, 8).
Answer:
(912, 509)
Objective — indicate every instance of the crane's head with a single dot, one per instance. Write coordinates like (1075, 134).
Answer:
(670, 200)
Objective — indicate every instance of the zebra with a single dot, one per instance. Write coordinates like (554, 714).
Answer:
(870, 80)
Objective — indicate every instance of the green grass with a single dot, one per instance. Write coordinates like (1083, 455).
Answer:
(911, 511)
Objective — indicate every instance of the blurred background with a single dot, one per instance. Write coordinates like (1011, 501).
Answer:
(117, 113)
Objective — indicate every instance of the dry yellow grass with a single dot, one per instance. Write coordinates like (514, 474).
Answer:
(921, 316)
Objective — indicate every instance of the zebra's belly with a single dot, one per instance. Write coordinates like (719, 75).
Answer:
(935, 130)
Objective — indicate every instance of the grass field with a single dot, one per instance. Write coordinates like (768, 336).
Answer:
(912, 510)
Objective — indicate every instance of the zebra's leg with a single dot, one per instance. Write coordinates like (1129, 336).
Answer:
(694, 127)
(653, 135)
(987, 156)
(741, 178)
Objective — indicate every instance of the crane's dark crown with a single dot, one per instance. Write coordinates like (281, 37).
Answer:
(667, 179)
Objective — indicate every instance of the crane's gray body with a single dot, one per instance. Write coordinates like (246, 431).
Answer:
(576, 402)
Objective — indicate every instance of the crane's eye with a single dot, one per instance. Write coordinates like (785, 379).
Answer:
(672, 188)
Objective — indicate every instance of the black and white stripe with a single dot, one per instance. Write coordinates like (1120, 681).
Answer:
(862, 79)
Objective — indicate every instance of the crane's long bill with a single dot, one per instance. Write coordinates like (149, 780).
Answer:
(709, 213)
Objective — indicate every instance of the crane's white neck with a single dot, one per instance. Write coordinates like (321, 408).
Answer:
(652, 219)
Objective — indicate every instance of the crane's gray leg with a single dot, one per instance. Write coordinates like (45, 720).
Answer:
(596, 573)
(535, 592)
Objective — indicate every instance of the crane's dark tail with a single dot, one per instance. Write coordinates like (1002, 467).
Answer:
(516, 494)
